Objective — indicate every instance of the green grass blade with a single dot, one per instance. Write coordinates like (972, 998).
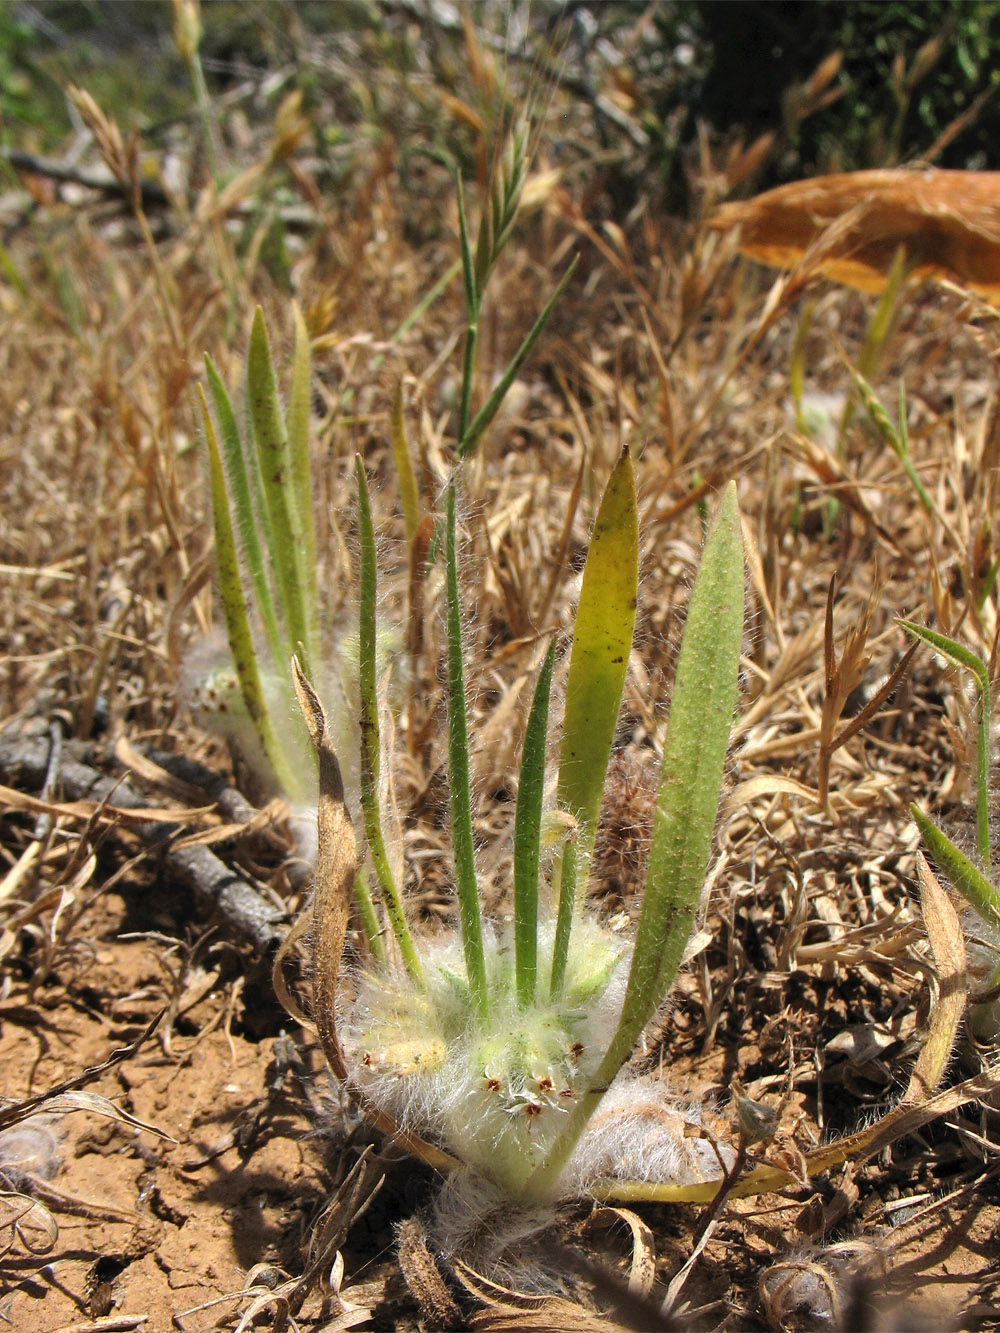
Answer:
(528, 836)
(701, 717)
(472, 302)
(883, 320)
(235, 465)
(468, 268)
(234, 610)
(964, 657)
(970, 882)
(11, 272)
(879, 328)
(409, 492)
(370, 739)
(277, 476)
(458, 781)
(602, 642)
(895, 437)
(369, 917)
(297, 429)
(469, 438)
(422, 306)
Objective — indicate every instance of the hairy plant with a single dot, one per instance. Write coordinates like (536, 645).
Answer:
(494, 1046)
(265, 538)
(266, 560)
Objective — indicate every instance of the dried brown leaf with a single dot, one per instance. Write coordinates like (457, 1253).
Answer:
(336, 867)
(425, 1283)
(642, 1269)
(948, 946)
(947, 221)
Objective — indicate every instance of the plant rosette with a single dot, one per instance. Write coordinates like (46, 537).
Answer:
(501, 1049)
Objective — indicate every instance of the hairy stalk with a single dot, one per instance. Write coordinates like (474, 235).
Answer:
(466, 885)
(528, 835)
(371, 740)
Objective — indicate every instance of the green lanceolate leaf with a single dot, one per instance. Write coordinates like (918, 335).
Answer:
(277, 477)
(528, 836)
(964, 657)
(297, 429)
(409, 493)
(701, 717)
(466, 886)
(602, 642)
(234, 609)
(370, 740)
(955, 652)
(237, 474)
(970, 882)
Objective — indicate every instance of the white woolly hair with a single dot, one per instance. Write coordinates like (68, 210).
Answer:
(641, 1132)
(418, 1056)
(638, 1133)
(472, 1220)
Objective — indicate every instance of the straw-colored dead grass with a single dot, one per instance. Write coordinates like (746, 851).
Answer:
(812, 981)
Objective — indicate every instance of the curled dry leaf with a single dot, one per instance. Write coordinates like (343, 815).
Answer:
(506, 1310)
(642, 1270)
(65, 1096)
(27, 1221)
(948, 223)
(65, 1102)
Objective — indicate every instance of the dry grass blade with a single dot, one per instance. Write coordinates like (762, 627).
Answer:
(25, 1221)
(633, 1310)
(62, 1103)
(841, 679)
(19, 800)
(351, 1201)
(15, 1112)
(642, 1269)
(336, 867)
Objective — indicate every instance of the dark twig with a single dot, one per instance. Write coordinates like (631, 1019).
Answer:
(24, 761)
(98, 179)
